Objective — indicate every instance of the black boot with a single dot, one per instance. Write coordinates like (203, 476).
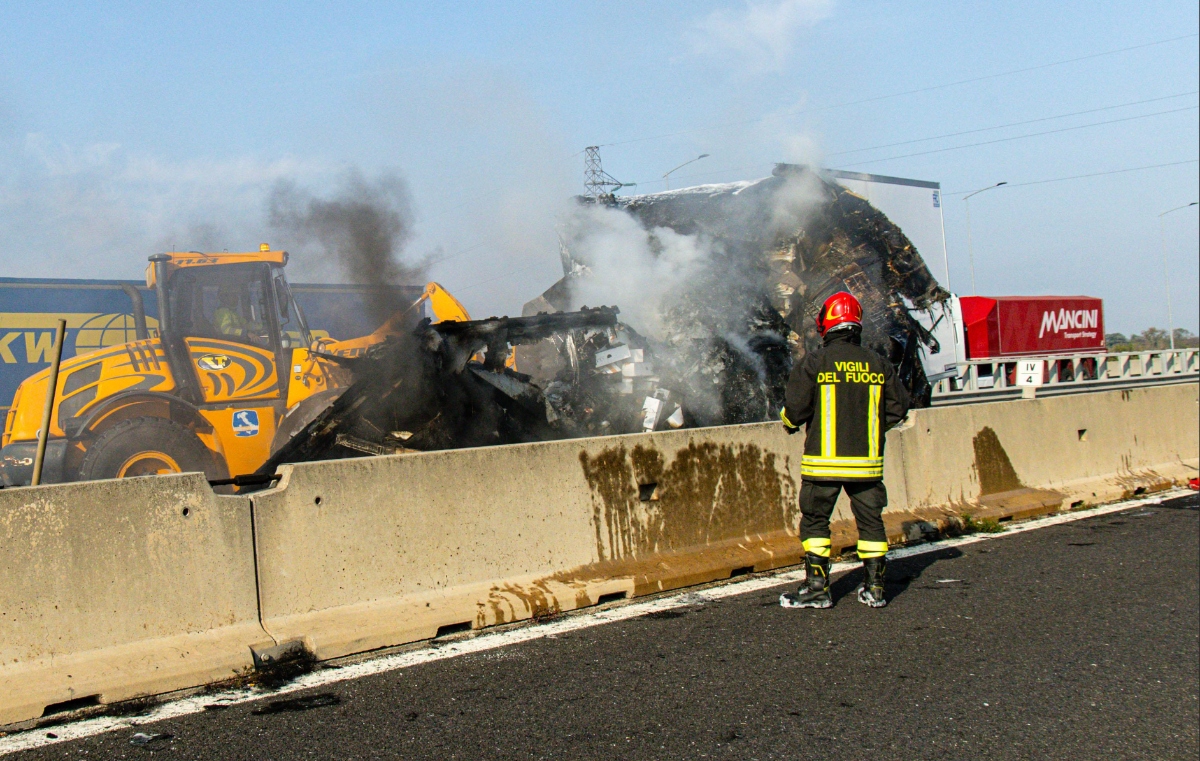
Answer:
(815, 592)
(870, 592)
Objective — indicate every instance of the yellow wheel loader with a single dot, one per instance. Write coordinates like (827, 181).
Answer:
(231, 374)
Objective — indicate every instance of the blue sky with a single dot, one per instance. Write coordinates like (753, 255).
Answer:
(129, 128)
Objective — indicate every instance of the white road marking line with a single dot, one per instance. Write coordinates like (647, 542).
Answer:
(573, 621)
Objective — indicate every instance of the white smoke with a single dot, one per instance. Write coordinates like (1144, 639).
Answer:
(647, 271)
(762, 34)
(795, 203)
(628, 266)
(109, 207)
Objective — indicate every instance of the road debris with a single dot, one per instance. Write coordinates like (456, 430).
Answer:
(295, 705)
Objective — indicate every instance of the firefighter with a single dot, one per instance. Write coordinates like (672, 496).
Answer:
(847, 397)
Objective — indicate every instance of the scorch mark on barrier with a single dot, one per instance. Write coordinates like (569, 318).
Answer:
(641, 504)
(478, 643)
(995, 469)
(1001, 490)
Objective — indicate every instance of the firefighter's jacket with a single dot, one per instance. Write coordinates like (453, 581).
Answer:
(847, 397)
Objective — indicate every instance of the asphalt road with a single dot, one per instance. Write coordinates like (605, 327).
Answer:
(1077, 641)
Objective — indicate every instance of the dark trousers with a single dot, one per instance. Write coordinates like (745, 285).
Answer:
(867, 500)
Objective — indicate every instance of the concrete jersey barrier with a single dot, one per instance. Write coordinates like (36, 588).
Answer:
(367, 553)
(116, 589)
(1021, 458)
(360, 554)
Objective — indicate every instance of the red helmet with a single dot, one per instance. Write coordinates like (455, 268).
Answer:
(839, 309)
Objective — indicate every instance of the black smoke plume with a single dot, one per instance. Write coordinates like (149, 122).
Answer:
(364, 226)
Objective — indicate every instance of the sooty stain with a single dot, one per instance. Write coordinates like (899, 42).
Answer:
(707, 493)
(294, 705)
(665, 615)
(996, 472)
(610, 477)
(538, 600)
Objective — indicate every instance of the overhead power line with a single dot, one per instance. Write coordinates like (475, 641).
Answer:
(1014, 124)
(1083, 176)
(970, 145)
(944, 194)
(1019, 137)
(903, 93)
(505, 276)
(1007, 73)
(457, 254)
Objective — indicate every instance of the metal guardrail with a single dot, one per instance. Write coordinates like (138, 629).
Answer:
(988, 380)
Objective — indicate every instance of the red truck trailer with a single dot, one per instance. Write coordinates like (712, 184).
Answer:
(1028, 326)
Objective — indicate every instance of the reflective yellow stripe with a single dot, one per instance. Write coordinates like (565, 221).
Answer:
(812, 459)
(871, 549)
(828, 420)
(873, 421)
(842, 467)
(846, 473)
(817, 546)
(786, 422)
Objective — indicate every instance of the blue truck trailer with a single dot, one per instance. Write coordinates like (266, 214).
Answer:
(105, 312)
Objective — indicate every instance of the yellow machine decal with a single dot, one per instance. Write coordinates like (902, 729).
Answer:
(87, 380)
(213, 362)
(248, 372)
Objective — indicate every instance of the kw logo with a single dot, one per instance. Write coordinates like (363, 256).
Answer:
(87, 331)
(213, 362)
(39, 347)
(1062, 320)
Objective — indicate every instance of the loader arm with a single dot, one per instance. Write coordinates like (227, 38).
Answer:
(313, 370)
(444, 307)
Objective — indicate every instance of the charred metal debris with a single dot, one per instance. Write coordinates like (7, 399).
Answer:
(731, 334)
(780, 246)
(442, 386)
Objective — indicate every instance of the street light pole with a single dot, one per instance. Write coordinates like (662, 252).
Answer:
(970, 245)
(1162, 229)
(667, 177)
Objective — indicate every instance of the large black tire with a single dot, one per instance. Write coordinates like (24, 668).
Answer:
(145, 446)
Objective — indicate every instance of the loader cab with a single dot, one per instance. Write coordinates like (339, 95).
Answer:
(245, 303)
(230, 323)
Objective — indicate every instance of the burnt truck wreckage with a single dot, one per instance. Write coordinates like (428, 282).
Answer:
(441, 386)
(778, 247)
(727, 336)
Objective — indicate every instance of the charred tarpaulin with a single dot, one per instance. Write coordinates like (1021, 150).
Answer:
(780, 246)
(426, 390)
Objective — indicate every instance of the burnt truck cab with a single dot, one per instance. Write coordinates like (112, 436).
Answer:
(202, 393)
